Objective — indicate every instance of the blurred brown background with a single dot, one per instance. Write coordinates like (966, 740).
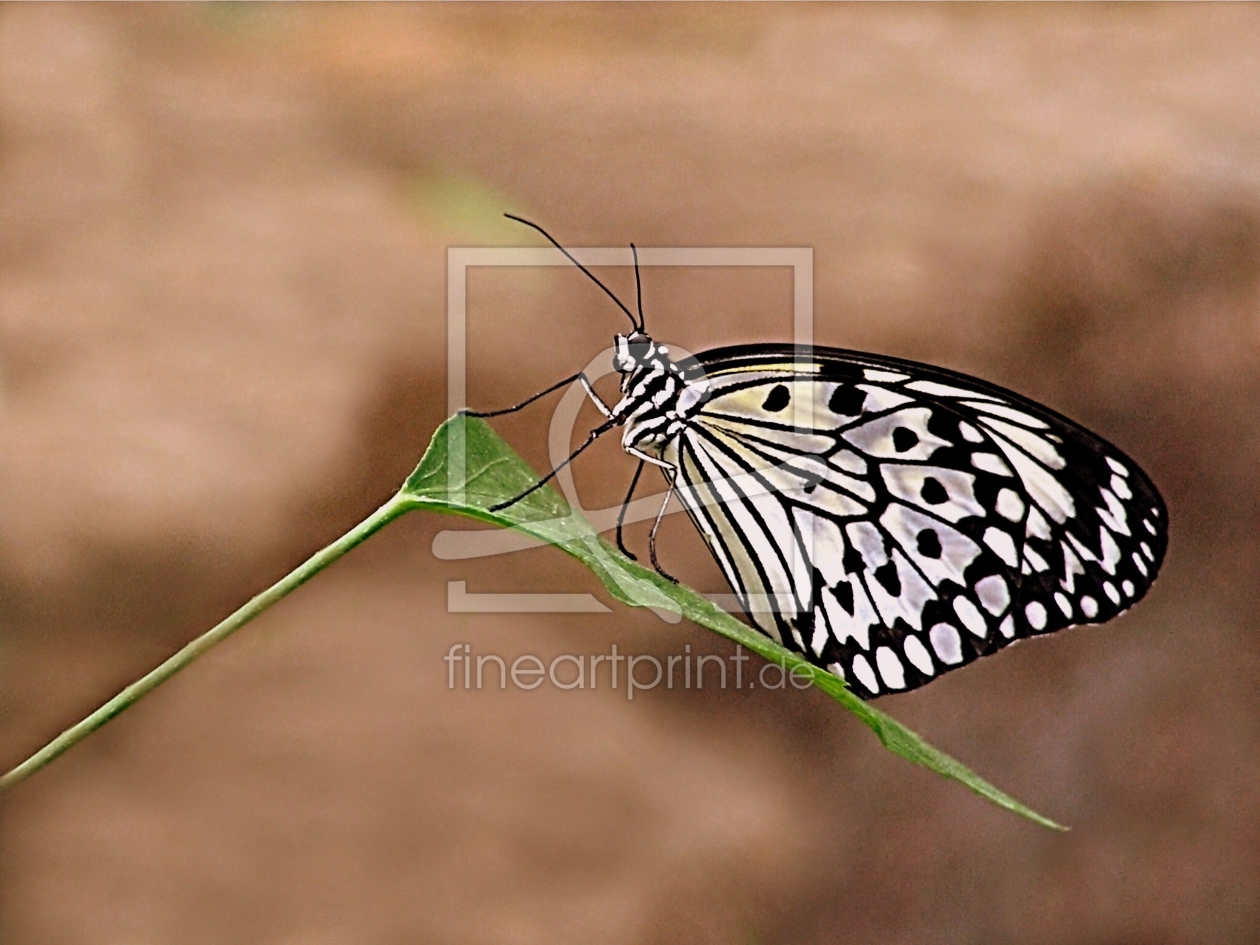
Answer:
(222, 341)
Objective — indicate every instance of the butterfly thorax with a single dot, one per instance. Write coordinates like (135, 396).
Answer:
(658, 394)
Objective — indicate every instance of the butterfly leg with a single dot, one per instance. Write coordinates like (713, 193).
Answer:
(644, 457)
(621, 516)
(671, 471)
(591, 438)
(579, 376)
(669, 494)
(595, 398)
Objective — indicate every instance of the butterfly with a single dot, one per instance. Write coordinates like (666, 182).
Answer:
(888, 520)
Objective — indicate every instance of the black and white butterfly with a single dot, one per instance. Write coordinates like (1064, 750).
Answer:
(889, 520)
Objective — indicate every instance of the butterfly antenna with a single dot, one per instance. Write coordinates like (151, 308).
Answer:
(638, 287)
(569, 256)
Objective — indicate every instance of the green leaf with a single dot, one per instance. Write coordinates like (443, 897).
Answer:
(468, 468)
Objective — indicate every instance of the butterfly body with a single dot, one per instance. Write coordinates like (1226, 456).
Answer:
(887, 519)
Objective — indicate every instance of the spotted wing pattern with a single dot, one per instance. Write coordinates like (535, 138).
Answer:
(892, 521)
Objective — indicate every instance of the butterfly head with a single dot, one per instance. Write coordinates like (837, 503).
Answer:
(635, 351)
(636, 357)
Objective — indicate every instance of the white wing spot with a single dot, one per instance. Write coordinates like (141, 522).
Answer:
(1127, 587)
(1071, 567)
(836, 669)
(1117, 467)
(991, 463)
(865, 675)
(971, 617)
(1146, 550)
(1141, 565)
(1089, 606)
(1009, 505)
(1111, 592)
(917, 654)
(1007, 627)
(1037, 526)
(970, 433)
(1110, 551)
(993, 594)
(1121, 488)
(1080, 548)
(890, 668)
(947, 644)
(890, 377)
(1148, 525)
(1065, 605)
(1002, 544)
(1036, 615)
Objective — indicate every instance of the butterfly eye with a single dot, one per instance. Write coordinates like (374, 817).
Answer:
(631, 352)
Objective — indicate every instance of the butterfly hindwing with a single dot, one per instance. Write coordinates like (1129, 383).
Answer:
(892, 521)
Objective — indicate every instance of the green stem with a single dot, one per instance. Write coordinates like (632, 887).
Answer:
(391, 510)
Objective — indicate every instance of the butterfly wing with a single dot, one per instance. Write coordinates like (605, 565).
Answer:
(892, 520)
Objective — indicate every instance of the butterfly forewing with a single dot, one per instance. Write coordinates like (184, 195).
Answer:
(892, 521)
